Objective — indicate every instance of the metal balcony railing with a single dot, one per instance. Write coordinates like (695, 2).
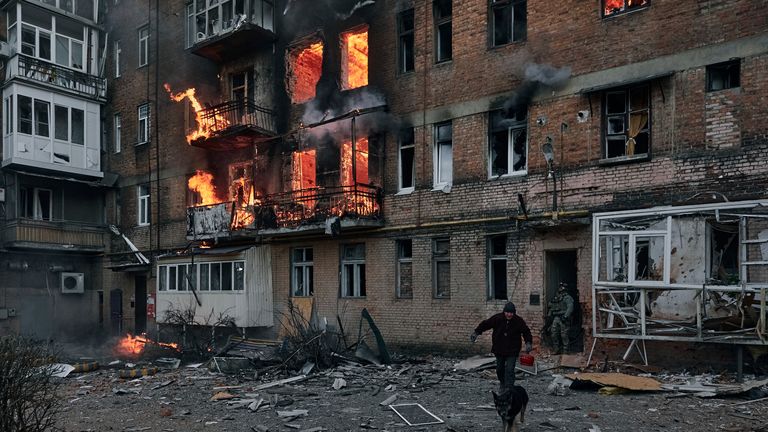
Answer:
(238, 114)
(23, 66)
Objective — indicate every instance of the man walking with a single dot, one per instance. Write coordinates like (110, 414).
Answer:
(560, 310)
(508, 329)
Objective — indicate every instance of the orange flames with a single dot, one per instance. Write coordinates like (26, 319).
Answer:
(304, 178)
(306, 66)
(241, 192)
(206, 124)
(355, 59)
(354, 201)
(202, 183)
(133, 345)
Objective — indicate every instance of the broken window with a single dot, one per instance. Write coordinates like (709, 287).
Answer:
(241, 183)
(303, 70)
(508, 21)
(302, 272)
(354, 58)
(723, 265)
(508, 144)
(627, 125)
(441, 267)
(215, 16)
(442, 11)
(405, 36)
(353, 270)
(405, 268)
(361, 162)
(649, 258)
(406, 168)
(143, 124)
(143, 205)
(723, 76)
(613, 7)
(443, 158)
(497, 267)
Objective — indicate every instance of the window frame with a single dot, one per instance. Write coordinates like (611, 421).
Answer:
(189, 25)
(626, 117)
(725, 68)
(514, 36)
(494, 257)
(117, 130)
(142, 128)
(512, 125)
(143, 205)
(402, 146)
(437, 258)
(401, 259)
(37, 211)
(440, 22)
(143, 38)
(403, 36)
(117, 50)
(306, 266)
(357, 264)
(180, 270)
(439, 169)
(623, 10)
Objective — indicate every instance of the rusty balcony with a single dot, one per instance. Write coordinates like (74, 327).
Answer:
(235, 124)
(226, 29)
(24, 233)
(79, 83)
(350, 207)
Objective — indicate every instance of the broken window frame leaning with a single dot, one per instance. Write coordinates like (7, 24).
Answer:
(714, 311)
(406, 151)
(143, 205)
(612, 118)
(406, 25)
(511, 15)
(496, 256)
(514, 127)
(441, 260)
(352, 278)
(622, 6)
(442, 14)
(404, 249)
(724, 76)
(443, 155)
(302, 264)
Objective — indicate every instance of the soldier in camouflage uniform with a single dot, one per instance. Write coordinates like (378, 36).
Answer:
(560, 310)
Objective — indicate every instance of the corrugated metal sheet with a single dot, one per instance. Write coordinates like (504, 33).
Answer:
(258, 265)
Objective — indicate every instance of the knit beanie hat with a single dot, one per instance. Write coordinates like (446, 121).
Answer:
(510, 307)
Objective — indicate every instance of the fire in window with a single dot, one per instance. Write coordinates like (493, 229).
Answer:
(613, 7)
(304, 177)
(627, 129)
(354, 55)
(360, 165)
(304, 68)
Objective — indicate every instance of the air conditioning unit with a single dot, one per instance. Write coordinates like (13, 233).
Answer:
(72, 283)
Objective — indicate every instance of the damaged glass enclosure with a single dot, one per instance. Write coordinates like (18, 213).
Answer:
(687, 273)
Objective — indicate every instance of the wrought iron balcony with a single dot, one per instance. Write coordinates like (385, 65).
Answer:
(26, 233)
(80, 83)
(296, 211)
(225, 29)
(235, 124)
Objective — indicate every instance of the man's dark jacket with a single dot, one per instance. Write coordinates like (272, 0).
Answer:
(506, 334)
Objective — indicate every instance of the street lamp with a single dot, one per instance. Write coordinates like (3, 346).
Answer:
(549, 156)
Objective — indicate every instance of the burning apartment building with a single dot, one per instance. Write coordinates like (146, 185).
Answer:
(431, 161)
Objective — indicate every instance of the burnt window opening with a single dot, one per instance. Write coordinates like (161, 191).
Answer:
(302, 272)
(615, 7)
(443, 159)
(723, 267)
(406, 167)
(441, 267)
(442, 11)
(509, 21)
(405, 36)
(360, 175)
(649, 258)
(724, 76)
(405, 268)
(497, 267)
(508, 143)
(304, 68)
(241, 90)
(627, 122)
(354, 57)
(304, 177)
(353, 270)
(241, 187)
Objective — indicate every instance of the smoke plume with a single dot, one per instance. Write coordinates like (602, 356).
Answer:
(536, 77)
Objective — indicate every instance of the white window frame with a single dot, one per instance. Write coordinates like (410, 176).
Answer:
(357, 265)
(493, 258)
(143, 124)
(400, 261)
(143, 34)
(9, 116)
(440, 172)
(182, 284)
(438, 257)
(189, 25)
(118, 51)
(143, 204)
(401, 147)
(37, 210)
(117, 133)
(306, 267)
(514, 126)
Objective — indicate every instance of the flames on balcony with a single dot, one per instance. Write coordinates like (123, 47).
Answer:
(206, 125)
(241, 193)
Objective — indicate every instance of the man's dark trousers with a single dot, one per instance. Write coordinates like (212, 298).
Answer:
(505, 370)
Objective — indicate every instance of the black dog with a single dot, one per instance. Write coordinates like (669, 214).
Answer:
(510, 405)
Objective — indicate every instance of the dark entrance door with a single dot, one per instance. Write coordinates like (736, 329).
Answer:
(562, 266)
(116, 311)
(140, 293)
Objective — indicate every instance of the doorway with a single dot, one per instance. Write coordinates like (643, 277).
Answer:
(140, 303)
(562, 266)
(116, 311)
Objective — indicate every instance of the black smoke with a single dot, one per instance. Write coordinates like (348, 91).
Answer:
(535, 78)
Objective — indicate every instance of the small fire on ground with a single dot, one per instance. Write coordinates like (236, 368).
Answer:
(134, 345)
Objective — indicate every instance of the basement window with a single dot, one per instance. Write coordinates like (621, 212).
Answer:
(441, 267)
(509, 21)
(354, 58)
(508, 144)
(405, 268)
(406, 168)
(626, 124)
(303, 70)
(615, 7)
(497, 267)
(405, 36)
(353, 270)
(302, 277)
(723, 76)
(723, 253)
(442, 12)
